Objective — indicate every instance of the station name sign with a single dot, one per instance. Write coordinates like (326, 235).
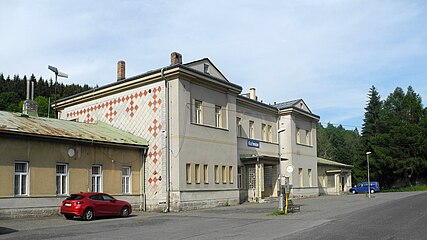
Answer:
(253, 143)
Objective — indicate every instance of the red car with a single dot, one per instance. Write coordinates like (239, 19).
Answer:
(94, 204)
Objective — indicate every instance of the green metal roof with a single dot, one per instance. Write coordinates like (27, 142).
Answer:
(332, 163)
(101, 133)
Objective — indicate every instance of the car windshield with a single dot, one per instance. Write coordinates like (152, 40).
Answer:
(75, 197)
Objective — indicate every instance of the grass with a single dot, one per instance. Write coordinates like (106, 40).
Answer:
(407, 189)
(277, 213)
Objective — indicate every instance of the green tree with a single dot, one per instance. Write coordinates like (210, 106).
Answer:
(398, 144)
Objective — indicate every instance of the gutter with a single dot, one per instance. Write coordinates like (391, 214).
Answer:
(167, 140)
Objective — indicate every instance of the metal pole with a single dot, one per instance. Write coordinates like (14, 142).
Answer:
(369, 182)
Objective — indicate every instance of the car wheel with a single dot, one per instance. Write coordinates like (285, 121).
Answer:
(124, 212)
(372, 190)
(353, 191)
(69, 216)
(88, 215)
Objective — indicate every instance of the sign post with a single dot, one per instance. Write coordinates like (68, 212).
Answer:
(289, 169)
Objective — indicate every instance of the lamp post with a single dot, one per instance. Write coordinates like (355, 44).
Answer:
(369, 181)
(57, 73)
(280, 203)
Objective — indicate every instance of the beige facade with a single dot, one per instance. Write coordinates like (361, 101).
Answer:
(334, 178)
(38, 169)
(201, 154)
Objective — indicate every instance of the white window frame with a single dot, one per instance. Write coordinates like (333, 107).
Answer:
(264, 132)
(230, 174)
(63, 179)
(308, 137)
(239, 126)
(188, 173)
(270, 133)
(298, 135)
(198, 111)
(310, 177)
(96, 178)
(217, 174)
(218, 116)
(197, 173)
(126, 180)
(224, 174)
(22, 191)
(206, 173)
(301, 177)
(251, 130)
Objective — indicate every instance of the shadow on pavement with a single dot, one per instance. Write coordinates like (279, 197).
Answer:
(4, 230)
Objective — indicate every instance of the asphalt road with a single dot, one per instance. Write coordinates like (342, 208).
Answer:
(399, 219)
(386, 216)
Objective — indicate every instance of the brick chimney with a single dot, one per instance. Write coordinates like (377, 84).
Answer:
(176, 58)
(121, 70)
(252, 94)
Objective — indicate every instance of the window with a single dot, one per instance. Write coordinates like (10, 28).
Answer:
(218, 116)
(217, 174)
(21, 178)
(96, 178)
(298, 135)
(331, 180)
(206, 173)
(251, 130)
(264, 132)
(230, 174)
(126, 180)
(224, 174)
(308, 137)
(301, 177)
(198, 112)
(206, 68)
(188, 172)
(197, 172)
(239, 127)
(61, 179)
(310, 178)
(270, 133)
(239, 177)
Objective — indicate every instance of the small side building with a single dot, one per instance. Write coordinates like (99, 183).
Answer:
(334, 178)
(43, 160)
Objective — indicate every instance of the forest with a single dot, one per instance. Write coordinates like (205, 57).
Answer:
(13, 93)
(394, 130)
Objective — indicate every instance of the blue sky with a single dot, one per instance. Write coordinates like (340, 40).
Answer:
(328, 53)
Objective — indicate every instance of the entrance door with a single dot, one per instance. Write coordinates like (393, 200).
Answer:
(268, 181)
(342, 184)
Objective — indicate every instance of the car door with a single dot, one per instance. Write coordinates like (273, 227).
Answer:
(112, 206)
(99, 205)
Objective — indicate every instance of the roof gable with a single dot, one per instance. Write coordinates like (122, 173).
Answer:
(298, 103)
(207, 67)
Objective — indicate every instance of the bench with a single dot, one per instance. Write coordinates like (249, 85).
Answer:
(293, 207)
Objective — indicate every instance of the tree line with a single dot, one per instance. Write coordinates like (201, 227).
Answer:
(394, 133)
(13, 93)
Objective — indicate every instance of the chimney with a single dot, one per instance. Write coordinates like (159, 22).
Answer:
(30, 106)
(121, 70)
(252, 94)
(176, 58)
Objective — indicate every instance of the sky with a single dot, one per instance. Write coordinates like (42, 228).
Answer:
(328, 53)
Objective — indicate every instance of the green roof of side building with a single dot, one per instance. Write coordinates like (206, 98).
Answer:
(332, 163)
(99, 133)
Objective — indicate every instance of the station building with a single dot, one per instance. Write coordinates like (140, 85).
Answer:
(209, 143)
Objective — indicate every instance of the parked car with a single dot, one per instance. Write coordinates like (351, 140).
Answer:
(363, 187)
(94, 204)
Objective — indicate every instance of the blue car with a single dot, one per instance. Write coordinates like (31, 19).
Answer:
(363, 187)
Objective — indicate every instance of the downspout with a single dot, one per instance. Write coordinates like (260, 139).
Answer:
(167, 141)
(142, 196)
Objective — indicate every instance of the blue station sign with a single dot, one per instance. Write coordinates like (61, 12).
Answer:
(253, 143)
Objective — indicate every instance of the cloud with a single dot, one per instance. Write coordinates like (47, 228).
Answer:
(327, 52)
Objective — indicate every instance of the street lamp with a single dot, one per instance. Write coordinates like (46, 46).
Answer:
(57, 73)
(280, 204)
(369, 182)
